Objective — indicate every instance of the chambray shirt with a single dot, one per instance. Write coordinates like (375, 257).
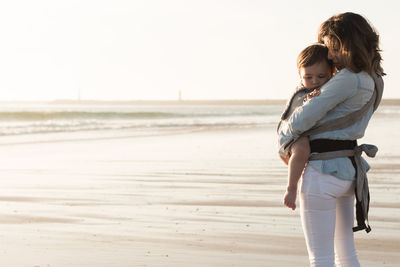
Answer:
(344, 93)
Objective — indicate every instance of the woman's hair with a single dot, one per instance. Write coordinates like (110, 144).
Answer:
(313, 54)
(352, 36)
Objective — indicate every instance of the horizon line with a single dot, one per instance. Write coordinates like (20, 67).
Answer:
(385, 101)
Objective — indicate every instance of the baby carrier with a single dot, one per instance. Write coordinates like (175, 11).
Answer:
(330, 149)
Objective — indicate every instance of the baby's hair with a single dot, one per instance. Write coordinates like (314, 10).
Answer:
(313, 54)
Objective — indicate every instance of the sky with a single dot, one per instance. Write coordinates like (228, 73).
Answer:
(154, 49)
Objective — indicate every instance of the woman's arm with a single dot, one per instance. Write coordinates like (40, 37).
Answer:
(342, 86)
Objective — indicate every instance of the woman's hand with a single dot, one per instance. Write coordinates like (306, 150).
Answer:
(290, 198)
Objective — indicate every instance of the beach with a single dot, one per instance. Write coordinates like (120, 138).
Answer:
(204, 194)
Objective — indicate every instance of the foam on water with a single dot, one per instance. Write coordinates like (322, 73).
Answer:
(46, 118)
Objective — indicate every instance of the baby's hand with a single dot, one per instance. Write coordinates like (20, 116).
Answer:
(314, 93)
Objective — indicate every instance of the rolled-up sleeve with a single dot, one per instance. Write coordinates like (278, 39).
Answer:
(334, 92)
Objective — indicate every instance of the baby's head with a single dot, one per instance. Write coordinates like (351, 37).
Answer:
(314, 67)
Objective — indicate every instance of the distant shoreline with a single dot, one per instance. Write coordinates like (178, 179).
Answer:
(173, 102)
(386, 102)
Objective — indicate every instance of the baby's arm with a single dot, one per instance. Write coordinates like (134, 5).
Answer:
(300, 151)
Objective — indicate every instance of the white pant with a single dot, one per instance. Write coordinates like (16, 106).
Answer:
(327, 215)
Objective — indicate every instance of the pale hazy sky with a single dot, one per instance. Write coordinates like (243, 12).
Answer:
(152, 49)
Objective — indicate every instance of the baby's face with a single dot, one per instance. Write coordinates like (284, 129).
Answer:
(316, 75)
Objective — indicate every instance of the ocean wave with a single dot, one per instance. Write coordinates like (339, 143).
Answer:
(388, 110)
(39, 120)
(68, 115)
(74, 126)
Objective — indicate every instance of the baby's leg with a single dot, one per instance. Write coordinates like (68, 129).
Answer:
(300, 152)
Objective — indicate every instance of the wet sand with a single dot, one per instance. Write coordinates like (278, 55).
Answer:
(207, 198)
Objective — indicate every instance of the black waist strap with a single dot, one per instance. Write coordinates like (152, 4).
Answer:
(328, 145)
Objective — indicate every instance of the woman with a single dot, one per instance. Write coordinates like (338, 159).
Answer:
(327, 189)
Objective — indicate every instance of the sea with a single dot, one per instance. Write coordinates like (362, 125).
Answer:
(30, 122)
(52, 121)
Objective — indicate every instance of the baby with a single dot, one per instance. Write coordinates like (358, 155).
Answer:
(315, 70)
